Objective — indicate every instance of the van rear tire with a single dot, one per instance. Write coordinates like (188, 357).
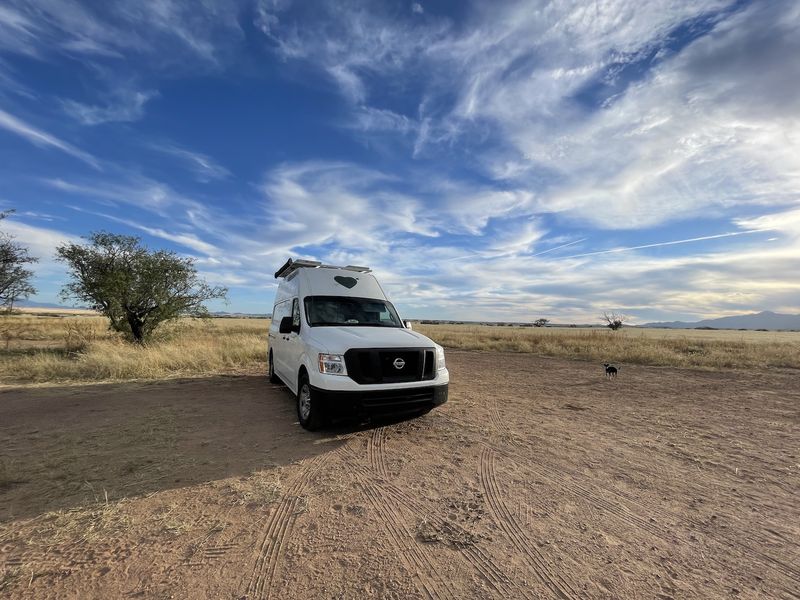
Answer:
(273, 378)
(309, 411)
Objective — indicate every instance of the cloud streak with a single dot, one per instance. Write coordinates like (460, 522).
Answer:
(163, 31)
(670, 243)
(204, 167)
(41, 138)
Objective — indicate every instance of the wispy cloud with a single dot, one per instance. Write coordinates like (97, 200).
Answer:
(317, 203)
(126, 106)
(785, 221)
(614, 126)
(204, 167)
(41, 243)
(141, 192)
(185, 239)
(17, 31)
(11, 84)
(367, 43)
(43, 139)
(341, 213)
(188, 240)
(164, 31)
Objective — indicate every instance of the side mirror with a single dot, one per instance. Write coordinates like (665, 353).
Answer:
(408, 325)
(286, 325)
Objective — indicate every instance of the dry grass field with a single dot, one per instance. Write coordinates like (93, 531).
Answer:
(40, 349)
(45, 347)
(711, 349)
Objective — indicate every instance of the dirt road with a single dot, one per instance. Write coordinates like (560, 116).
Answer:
(539, 479)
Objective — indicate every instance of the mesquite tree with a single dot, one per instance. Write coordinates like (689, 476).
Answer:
(15, 279)
(614, 320)
(136, 288)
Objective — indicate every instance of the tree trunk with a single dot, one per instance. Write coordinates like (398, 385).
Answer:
(137, 327)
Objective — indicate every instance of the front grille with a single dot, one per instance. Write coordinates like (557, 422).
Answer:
(389, 365)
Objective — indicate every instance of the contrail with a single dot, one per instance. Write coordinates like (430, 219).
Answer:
(502, 254)
(672, 243)
(559, 247)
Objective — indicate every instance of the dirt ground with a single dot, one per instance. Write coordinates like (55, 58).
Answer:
(539, 479)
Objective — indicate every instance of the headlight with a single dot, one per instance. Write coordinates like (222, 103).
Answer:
(332, 364)
(439, 358)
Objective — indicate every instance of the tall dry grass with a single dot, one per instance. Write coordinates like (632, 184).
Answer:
(51, 349)
(690, 348)
(81, 348)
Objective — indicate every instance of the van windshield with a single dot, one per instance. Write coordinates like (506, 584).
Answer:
(350, 312)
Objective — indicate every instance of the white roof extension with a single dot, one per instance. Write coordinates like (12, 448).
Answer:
(292, 265)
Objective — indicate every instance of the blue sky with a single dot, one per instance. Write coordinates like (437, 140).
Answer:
(503, 160)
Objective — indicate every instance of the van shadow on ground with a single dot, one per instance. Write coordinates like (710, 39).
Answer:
(62, 447)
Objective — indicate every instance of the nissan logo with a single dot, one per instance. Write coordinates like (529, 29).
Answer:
(399, 363)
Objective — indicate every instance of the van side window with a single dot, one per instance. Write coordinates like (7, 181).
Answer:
(281, 310)
(295, 313)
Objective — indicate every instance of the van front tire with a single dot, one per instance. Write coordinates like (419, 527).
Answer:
(309, 411)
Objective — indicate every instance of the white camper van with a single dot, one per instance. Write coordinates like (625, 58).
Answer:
(338, 343)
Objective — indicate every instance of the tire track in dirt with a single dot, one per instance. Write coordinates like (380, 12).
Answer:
(497, 419)
(476, 557)
(516, 534)
(428, 581)
(618, 508)
(572, 487)
(479, 560)
(432, 585)
(622, 512)
(277, 531)
(503, 429)
(376, 450)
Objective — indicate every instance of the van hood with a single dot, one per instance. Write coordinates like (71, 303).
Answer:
(340, 339)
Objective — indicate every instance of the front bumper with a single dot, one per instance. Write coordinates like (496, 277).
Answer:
(338, 383)
(396, 401)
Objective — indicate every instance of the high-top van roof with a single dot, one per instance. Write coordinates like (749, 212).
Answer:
(339, 282)
(324, 280)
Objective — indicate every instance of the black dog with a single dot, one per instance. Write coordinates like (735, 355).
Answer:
(611, 371)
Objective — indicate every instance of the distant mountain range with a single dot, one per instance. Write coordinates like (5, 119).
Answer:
(762, 320)
(32, 304)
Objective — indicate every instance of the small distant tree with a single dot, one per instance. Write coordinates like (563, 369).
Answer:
(541, 322)
(614, 321)
(136, 288)
(15, 279)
